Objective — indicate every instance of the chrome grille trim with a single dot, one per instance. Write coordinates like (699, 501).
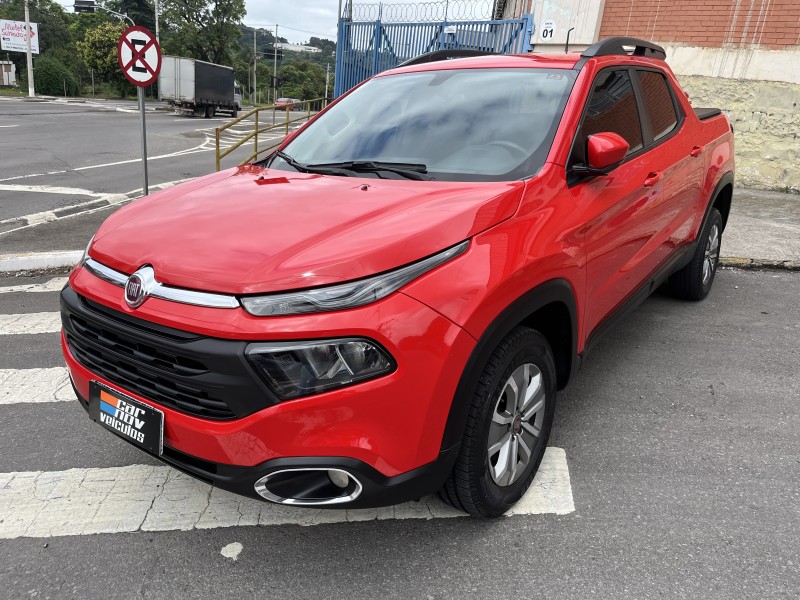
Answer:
(163, 292)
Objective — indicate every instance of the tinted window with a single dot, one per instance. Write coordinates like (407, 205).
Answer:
(463, 124)
(659, 103)
(612, 107)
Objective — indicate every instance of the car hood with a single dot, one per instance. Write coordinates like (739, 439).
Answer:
(252, 230)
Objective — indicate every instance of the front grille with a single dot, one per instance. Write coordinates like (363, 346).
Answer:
(204, 377)
(114, 360)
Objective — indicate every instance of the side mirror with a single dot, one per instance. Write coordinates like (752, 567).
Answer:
(606, 150)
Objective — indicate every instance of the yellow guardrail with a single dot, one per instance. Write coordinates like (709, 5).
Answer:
(310, 107)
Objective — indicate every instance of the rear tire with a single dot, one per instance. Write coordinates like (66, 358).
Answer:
(694, 281)
(507, 427)
(210, 112)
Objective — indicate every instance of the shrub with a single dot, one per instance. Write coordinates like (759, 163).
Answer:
(50, 77)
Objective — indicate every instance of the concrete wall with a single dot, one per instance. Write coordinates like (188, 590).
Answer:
(766, 119)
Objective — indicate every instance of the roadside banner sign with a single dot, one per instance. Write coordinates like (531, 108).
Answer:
(139, 56)
(14, 39)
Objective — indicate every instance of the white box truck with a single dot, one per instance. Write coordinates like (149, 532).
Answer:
(197, 87)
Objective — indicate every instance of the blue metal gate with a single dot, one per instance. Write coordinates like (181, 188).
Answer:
(365, 48)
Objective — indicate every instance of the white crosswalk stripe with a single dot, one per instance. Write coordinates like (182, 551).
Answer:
(158, 498)
(19, 386)
(53, 285)
(44, 322)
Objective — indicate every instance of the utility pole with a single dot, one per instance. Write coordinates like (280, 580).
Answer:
(327, 82)
(157, 38)
(31, 93)
(255, 65)
(275, 66)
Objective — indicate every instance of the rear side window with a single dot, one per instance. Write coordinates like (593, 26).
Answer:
(659, 103)
(612, 107)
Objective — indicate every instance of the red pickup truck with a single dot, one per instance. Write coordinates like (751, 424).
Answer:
(385, 307)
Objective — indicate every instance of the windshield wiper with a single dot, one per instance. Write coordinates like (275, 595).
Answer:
(416, 171)
(350, 168)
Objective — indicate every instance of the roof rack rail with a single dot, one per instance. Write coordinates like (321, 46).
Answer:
(437, 55)
(616, 45)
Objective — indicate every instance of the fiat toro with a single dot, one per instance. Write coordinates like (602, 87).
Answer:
(385, 306)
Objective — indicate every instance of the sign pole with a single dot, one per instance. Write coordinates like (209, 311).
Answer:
(144, 139)
(31, 92)
(139, 57)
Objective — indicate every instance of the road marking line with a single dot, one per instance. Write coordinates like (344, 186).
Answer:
(53, 285)
(7, 126)
(44, 322)
(192, 150)
(20, 386)
(110, 200)
(48, 189)
(39, 260)
(159, 498)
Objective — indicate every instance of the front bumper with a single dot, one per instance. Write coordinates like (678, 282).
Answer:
(387, 431)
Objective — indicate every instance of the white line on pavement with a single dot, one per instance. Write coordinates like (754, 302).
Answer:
(45, 322)
(38, 260)
(192, 150)
(158, 498)
(45, 217)
(48, 189)
(6, 126)
(53, 285)
(18, 386)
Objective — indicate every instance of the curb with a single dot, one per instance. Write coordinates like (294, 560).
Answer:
(758, 263)
(39, 261)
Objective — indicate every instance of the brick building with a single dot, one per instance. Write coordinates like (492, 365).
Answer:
(740, 55)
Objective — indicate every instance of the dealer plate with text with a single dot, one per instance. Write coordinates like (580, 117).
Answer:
(130, 419)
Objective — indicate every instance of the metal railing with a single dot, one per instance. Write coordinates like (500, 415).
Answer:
(309, 107)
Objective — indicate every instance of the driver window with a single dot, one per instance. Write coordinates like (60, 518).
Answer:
(612, 107)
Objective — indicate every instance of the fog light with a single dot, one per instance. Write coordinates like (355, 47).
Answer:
(339, 478)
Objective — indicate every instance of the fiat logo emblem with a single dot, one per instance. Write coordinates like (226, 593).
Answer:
(138, 286)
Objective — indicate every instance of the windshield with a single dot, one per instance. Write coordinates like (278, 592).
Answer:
(460, 124)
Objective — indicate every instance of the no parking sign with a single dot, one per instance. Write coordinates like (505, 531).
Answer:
(139, 57)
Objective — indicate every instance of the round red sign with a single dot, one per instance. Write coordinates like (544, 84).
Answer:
(139, 56)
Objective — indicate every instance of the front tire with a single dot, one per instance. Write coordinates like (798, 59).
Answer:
(507, 427)
(694, 281)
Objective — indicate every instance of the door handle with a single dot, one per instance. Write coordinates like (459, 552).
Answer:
(652, 178)
(696, 151)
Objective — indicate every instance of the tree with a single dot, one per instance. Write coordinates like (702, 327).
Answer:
(203, 29)
(99, 51)
(328, 47)
(302, 80)
(141, 12)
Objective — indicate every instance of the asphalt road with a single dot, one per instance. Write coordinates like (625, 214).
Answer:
(60, 154)
(681, 438)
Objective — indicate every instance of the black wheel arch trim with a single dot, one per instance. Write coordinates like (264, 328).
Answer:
(725, 180)
(553, 291)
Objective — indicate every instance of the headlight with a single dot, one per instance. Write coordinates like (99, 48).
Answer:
(295, 369)
(346, 295)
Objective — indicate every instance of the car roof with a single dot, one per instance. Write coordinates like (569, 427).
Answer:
(609, 51)
(496, 61)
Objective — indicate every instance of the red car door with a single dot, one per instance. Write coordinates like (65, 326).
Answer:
(623, 209)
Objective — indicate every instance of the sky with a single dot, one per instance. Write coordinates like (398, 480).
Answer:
(297, 20)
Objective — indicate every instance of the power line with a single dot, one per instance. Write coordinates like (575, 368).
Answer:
(265, 26)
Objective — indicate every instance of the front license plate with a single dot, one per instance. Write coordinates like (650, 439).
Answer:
(130, 419)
